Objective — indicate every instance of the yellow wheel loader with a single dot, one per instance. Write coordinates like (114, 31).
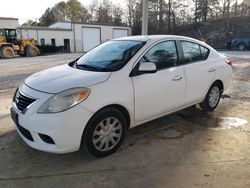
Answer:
(10, 45)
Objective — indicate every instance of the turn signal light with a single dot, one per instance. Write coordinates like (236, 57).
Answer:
(229, 62)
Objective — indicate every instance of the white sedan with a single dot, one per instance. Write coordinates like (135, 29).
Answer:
(91, 102)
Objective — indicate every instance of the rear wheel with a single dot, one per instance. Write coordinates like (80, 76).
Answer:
(242, 47)
(6, 52)
(105, 132)
(32, 51)
(212, 98)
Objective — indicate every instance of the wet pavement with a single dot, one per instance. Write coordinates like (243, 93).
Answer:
(189, 148)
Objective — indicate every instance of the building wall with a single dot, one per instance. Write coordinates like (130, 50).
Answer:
(106, 33)
(47, 35)
(59, 34)
(61, 25)
(9, 23)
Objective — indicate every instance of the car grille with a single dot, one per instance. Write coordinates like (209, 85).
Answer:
(22, 101)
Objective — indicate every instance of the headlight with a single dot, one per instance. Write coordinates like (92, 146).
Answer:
(64, 100)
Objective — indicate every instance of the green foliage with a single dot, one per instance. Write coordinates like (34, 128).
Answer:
(30, 23)
(164, 15)
(47, 18)
(76, 12)
(104, 12)
(72, 10)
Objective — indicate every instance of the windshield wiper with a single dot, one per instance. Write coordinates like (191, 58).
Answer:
(89, 67)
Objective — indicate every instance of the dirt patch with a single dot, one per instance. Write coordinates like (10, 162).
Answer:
(175, 131)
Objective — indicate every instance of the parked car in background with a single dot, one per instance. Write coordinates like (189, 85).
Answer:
(92, 102)
(239, 43)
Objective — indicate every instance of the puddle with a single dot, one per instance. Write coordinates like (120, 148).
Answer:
(230, 122)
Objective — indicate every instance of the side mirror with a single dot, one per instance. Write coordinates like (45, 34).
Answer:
(143, 68)
(147, 67)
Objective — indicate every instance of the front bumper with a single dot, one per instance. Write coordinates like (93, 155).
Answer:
(64, 128)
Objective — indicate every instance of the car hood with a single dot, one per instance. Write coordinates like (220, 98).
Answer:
(64, 77)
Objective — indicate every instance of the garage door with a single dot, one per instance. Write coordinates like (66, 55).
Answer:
(91, 38)
(118, 33)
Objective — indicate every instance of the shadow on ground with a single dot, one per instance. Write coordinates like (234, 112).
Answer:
(161, 146)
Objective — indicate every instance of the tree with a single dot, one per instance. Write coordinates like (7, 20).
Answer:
(169, 16)
(59, 11)
(104, 12)
(47, 18)
(130, 13)
(54, 14)
(76, 12)
(92, 10)
(30, 23)
(117, 14)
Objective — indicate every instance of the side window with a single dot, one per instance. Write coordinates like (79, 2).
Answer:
(164, 55)
(204, 52)
(191, 51)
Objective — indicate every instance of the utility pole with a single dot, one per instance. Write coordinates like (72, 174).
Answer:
(144, 17)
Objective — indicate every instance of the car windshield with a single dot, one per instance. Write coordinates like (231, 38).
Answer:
(109, 56)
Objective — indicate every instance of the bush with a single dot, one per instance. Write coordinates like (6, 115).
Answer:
(49, 49)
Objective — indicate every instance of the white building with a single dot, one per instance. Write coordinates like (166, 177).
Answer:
(9, 23)
(75, 37)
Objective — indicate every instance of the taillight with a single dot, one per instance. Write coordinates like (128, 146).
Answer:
(229, 62)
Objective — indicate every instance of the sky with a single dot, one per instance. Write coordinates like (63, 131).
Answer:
(31, 9)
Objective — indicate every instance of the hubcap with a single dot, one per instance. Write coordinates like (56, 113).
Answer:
(33, 51)
(214, 96)
(8, 53)
(107, 134)
(241, 47)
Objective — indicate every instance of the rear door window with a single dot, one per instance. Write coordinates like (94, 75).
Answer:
(191, 51)
(204, 52)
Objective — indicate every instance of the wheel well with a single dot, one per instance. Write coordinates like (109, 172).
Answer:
(4, 45)
(242, 43)
(122, 109)
(220, 83)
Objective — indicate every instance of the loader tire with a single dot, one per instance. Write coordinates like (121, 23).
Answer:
(6, 52)
(32, 51)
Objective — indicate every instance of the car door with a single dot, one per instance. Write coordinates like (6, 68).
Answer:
(163, 91)
(199, 69)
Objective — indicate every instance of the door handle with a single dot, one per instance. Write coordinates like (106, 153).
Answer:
(211, 70)
(176, 78)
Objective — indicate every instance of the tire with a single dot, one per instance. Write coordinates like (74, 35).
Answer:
(7, 52)
(212, 98)
(107, 123)
(32, 51)
(242, 47)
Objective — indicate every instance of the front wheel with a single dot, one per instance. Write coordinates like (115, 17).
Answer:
(105, 132)
(212, 98)
(6, 52)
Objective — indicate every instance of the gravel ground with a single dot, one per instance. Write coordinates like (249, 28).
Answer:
(189, 148)
(15, 70)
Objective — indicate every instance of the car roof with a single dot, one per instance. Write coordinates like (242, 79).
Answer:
(155, 37)
(152, 38)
